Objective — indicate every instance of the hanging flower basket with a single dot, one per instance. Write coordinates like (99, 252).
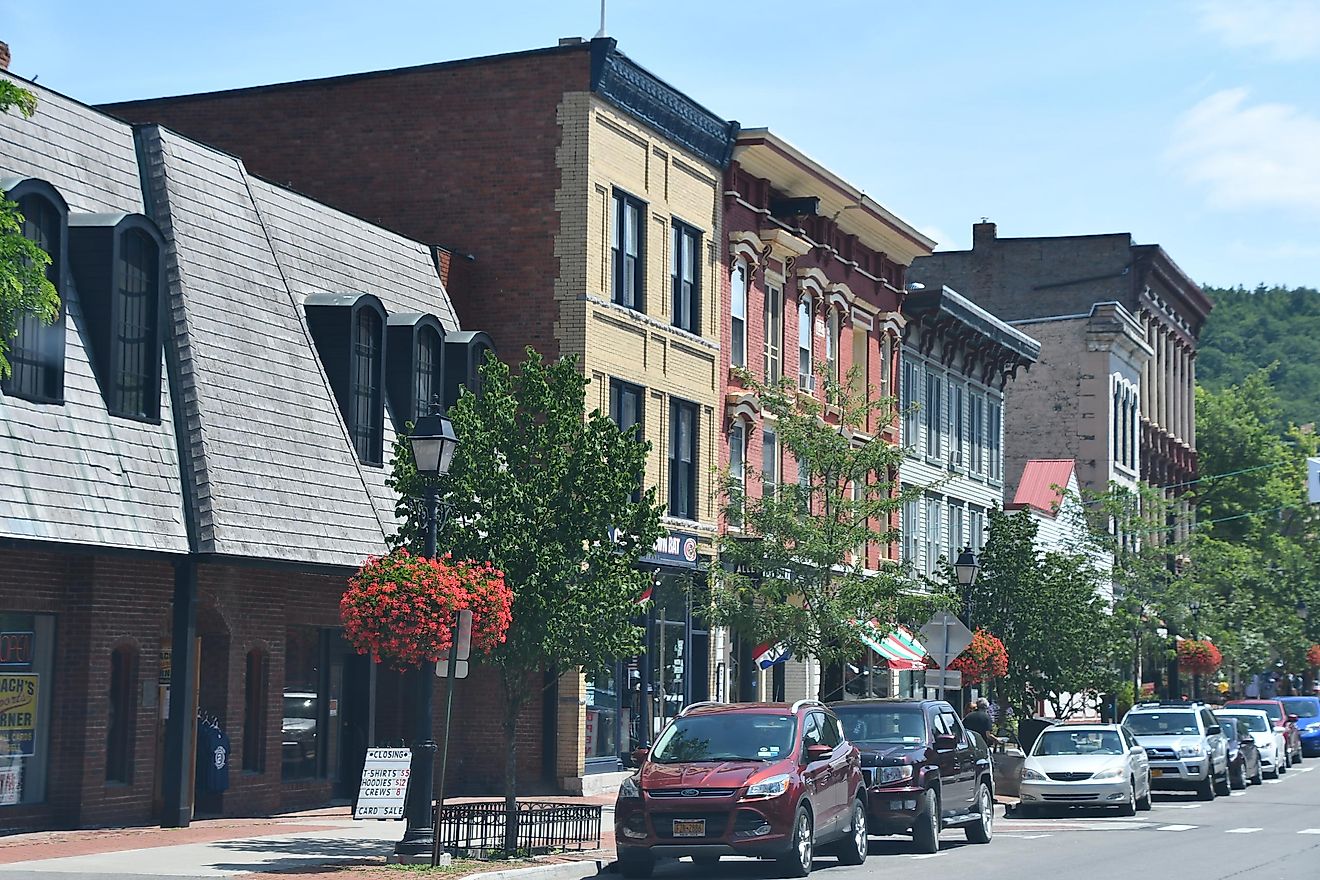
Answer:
(399, 609)
(1313, 655)
(1199, 656)
(985, 658)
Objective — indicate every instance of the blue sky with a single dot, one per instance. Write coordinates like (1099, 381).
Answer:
(1191, 123)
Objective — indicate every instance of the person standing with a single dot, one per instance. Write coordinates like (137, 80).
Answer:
(978, 719)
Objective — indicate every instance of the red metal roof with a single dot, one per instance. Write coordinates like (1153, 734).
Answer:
(1042, 484)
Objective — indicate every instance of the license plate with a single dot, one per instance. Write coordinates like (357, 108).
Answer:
(1155, 772)
(689, 827)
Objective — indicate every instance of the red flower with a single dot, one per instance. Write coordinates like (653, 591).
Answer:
(400, 608)
(1313, 655)
(985, 658)
(1199, 656)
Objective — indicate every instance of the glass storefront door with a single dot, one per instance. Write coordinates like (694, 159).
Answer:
(27, 650)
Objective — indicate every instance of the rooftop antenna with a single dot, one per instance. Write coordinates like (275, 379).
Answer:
(601, 33)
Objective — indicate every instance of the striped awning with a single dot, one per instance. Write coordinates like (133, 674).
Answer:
(900, 648)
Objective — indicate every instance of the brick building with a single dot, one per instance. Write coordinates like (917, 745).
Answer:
(192, 460)
(814, 279)
(1118, 322)
(580, 197)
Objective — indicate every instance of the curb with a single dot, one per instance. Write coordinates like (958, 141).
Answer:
(560, 871)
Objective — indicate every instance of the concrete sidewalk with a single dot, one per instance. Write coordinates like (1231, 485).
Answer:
(315, 843)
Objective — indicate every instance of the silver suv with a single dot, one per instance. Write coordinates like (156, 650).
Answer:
(1185, 747)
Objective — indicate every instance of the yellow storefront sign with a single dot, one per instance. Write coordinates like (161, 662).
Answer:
(19, 694)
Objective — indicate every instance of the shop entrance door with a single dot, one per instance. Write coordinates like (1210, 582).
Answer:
(354, 723)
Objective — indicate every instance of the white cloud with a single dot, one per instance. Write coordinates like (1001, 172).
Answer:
(1287, 29)
(1249, 156)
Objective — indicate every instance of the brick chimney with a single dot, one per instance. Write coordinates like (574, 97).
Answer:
(983, 233)
(4, 56)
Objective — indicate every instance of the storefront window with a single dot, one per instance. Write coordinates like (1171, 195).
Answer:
(26, 656)
(604, 719)
(121, 718)
(302, 704)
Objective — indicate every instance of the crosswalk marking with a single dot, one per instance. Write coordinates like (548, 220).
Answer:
(928, 855)
(1243, 830)
(1305, 769)
(1273, 781)
(1309, 831)
(1175, 828)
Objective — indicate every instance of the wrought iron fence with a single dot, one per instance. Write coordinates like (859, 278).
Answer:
(476, 830)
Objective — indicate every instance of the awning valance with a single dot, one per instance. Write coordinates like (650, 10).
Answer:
(900, 648)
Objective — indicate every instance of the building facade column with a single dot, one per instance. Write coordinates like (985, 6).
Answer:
(1191, 385)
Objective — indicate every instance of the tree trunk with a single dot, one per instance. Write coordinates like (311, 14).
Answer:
(513, 702)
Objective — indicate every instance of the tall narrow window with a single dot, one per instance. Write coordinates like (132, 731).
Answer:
(957, 423)
(934, 532)
(626, 410)
(774, 333)
(976, 427)
(426, 370)
(135, 332)
(911, 423)
(738, 314)
(255, 691)
(803, 484)
(858, 497)
(685, 277)
(957, 535)
(683, 459)
(934, 414)
(36, 354)
(737, 471)
(832, 344)
(805, 379)
(861, 363)
(304, 721)
(976, 529)
(769, 463)
(121, 718)
(627, 241)
(911, 526)
(994, 440)
(365, 393)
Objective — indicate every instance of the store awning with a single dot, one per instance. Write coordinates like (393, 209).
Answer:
(900, 648)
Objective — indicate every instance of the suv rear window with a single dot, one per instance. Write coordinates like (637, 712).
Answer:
(1174, 723)
(726, 736)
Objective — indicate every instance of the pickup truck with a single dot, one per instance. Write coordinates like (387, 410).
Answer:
(924, 772)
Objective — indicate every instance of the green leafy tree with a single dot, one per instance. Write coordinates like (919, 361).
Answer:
(24, 287)
(793, 575)
(552, 499)
(1048, 611)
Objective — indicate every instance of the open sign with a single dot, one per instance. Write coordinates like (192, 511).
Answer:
(15, 649)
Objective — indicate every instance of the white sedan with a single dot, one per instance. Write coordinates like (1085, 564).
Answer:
(1269, 739)
(1085, 765)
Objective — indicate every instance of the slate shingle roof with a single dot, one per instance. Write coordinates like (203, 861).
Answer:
(270, 464)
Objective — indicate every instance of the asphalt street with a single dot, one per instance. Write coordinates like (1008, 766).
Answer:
(1266, 832)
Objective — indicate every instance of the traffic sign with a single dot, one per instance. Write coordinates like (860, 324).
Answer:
(464, 638)
(460, 669)
(945, 637)
(947, 679)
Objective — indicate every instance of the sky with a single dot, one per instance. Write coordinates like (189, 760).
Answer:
(1194, 124)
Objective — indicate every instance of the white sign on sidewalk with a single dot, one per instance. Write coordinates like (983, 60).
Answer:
(384, 784)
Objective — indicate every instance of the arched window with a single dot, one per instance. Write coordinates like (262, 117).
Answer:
(738, 313)
(36, 353)
(426, 369)
(121, 717)
(805, 379)
(367, 408)
(255, 696)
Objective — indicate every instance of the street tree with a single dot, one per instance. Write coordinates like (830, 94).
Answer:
(793, 574)
(552, 496)
(24, 285)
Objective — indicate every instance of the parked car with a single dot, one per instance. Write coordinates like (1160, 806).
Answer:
(1244, 765)
(1184, 745)
(1269, 739)
(1279, 717)
(751, 779)
(924, 771)
(1305, 713)
(1085, 765)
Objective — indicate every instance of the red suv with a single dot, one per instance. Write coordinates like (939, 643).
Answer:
(1283, 722)
(747, 779)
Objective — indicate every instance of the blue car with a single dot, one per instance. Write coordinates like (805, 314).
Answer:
(1307, 710)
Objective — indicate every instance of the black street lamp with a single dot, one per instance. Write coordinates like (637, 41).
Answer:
(433, 443)
(1195, 607)
(1302, 611)
(967, 568)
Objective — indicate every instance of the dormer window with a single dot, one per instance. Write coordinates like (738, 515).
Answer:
(117, 262)
(465, 352)
(349, 332)
(414, 372)
(36, 353)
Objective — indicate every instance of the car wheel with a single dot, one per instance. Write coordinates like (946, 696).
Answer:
(797, 861)
(1275, 771)
(639, 865)
(1130, 807)
(1259, 778)
(852, 850)
(1143, 802)
(926, 830)
(1237, 779)
(1206, 790)
(1224, 785)
(983, 828)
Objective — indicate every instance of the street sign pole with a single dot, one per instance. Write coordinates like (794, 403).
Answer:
(460, 643)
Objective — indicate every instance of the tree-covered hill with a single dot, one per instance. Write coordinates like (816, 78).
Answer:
(1251, 329)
